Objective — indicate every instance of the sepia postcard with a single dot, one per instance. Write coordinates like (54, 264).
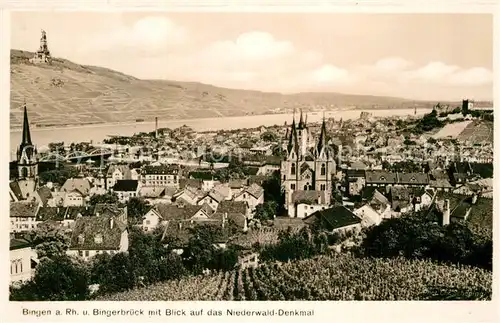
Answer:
(238, 157)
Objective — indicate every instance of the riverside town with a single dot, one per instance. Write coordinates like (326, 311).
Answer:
(138, 188)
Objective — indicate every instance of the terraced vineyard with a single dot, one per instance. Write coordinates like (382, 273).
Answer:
(66, 93)
(478, 132)
(342, 277)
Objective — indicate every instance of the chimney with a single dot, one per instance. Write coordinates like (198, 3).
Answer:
(446, 212)
(111, 223)
(474, 198)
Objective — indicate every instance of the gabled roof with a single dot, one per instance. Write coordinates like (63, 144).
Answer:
(215, 195)
(169, 212)
(152, 191)
(413, 178)
(191, 182)
(333, 218)
(255, 190)
(82, 185)
(108, 209)
(304, 167)
(23, 209)
(126, 185)
(89, 228)
(124, 169)
(355, 173)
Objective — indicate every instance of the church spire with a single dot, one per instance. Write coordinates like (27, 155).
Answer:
(26, 141)
(301, 121)
(322, 142)
(292, 139)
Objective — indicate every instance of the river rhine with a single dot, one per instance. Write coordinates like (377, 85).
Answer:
(96, 133)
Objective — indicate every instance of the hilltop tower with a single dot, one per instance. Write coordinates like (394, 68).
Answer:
(42, 55)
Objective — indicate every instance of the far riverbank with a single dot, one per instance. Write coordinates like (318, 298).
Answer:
(98, 132)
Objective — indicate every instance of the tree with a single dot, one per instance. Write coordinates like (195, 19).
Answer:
(266, 211)
(59, 176)
(137, 207)
(108, 198)
(114, 274)
(50, 241)
(57, 279)
(269, 136)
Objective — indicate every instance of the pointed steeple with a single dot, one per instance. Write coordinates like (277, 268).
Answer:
(322, 142)
(292, 139)
(301, 121)
(26, 141)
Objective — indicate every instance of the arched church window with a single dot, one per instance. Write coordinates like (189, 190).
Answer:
(293, 170)
(323, 169)
(24, 172)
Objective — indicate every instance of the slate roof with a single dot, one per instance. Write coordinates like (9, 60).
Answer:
(380, 177)
(45, 194)
(233, 207)
(354, 173)
(126, 185)
(237, 183)
(108, 209)
(14, 186)
(255, 190)
(23, 209)
(90, 227)
(51, 213)
(18, 244)
(151, 191)
(413, 178)
(333, 218)
(309, 197)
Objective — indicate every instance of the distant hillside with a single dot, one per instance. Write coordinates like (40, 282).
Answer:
(66, 93)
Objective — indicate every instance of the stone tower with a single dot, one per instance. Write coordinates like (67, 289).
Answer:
(42, 55)
(27, 160)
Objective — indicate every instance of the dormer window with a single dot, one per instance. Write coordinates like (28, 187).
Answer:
(382, 178)
(81, 239)
(412, 179)
(98, 238)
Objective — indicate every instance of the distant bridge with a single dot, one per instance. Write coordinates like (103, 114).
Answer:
(78, 156)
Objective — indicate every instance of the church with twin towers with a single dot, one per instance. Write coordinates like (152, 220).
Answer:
(307, 168)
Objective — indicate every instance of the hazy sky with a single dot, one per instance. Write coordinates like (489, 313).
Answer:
(420, 56)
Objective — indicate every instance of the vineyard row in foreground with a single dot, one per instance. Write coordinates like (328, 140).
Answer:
(326, 278)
